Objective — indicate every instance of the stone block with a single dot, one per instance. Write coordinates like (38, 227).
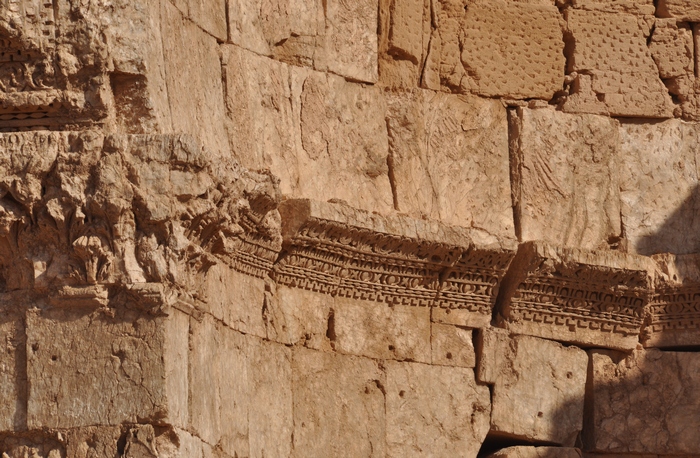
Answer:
(78, 359)
(673, 49)
(512, 49)
(260, 122)
(343, 143)
(612, 48)
(639, 7)
(449, 159)
(209, 15)
(659, 187)
(338, 405)
(271, 423)
(452, 346)
(296, 316)
(235, 298)
(376, 330)
(194, 87)
(566, 188)
(681, 10)
(538, 387)
(646, 402)
(673, 315)
(333, 36)
(577, 296)
(536, 452)
(13, 410)
(434, 411)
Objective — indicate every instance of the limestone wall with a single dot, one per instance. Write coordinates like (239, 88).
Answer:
(349, 228)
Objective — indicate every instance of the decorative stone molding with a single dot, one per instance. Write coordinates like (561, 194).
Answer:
(83, 216)
(338, 250)
(587, 298)
(673, 316)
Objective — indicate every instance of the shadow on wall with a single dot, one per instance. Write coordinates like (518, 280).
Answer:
(679, 233)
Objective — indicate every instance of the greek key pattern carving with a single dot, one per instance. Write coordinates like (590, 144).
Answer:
(569, 302)
(337, 259)
(675, 309)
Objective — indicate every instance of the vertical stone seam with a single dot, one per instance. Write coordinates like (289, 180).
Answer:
(515, 157)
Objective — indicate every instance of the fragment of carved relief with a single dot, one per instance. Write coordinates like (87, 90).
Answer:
(337, 250)
(572, 295)
(611, 48)
(81, 212)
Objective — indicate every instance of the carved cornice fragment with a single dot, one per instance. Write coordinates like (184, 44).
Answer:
(587, 298)
(337, 250)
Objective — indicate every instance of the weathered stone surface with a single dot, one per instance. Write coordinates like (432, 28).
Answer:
(644, 403)
(641, 7)
(13, 410)
(452, 346)
(681, 10)
(77, 359)
(334, 36)
(674, 310)
(448, 162)
(538, 386)
(209, 15)
(537, 452)
(582, 297)
(338, 405)
(434, 410)
(659, 182)
(612, 48)
(566, 185)
(377, 330)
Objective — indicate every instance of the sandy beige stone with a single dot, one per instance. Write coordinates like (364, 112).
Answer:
(195, 91)
(77, 359)
(566, 187)
(338, 405)
(449, 159)
(434, 411)
(376, 330)
(537, 452)
(673, 49)
(681, 10)
(641, 7)
(590, 298)
(538, 386)
(613, 49)
(644, 403)
(452, 346)
(512, 49)
(659, 186)
(13, 411)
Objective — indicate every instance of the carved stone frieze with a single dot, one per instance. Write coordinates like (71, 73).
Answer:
(83, 216)
(337, 250)
(586, 298)
(673, 316)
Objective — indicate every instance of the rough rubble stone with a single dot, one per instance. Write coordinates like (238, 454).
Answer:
(644, 403)
(659, 186)
(449, 164)
(433, 410)
(566, 188)
(612, 48)
(521, 451)
(538, 386)
(338, 405)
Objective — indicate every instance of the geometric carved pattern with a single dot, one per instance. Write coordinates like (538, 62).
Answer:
(674, 317)
(341, 259)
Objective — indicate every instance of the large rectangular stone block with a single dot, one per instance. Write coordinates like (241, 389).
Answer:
(13, 383)
(583, 297)
(538, 386)
(85, 367)
(449, 159)
(338, 405)
(646, 402)
(565, 177)
(434, 411)
(660, 186)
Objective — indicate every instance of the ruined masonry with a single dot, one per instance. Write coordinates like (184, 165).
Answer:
(349, 228)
